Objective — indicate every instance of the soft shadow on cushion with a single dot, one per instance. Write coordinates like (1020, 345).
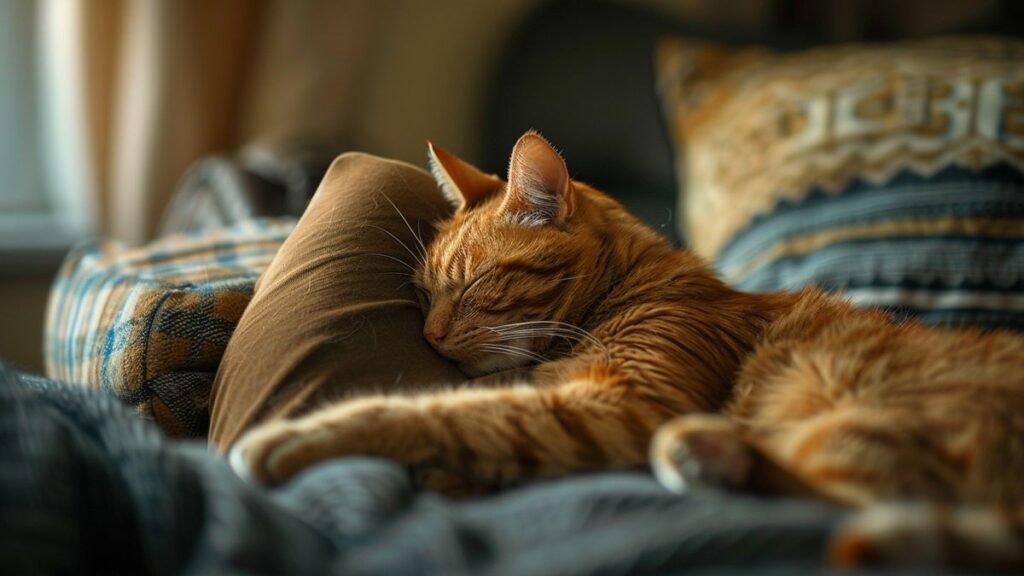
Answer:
(335, 313)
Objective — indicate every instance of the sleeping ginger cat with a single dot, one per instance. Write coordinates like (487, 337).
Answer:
(631, 340)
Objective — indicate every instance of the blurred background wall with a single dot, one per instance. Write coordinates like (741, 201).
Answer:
(168, 81)
(146, 87)
(154, 85)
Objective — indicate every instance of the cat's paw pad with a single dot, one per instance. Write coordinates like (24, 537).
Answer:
(701, 450)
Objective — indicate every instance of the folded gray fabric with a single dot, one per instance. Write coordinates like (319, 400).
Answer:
(88, 487)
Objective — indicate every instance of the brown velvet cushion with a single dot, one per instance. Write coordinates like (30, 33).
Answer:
(335, 313)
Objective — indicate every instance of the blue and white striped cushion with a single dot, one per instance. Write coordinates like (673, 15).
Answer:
(947, 248)
(893, 172)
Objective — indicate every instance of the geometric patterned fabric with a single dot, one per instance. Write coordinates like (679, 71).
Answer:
(892, 172)
(150, 324)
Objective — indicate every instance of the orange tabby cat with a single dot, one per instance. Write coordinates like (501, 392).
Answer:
(792, 393)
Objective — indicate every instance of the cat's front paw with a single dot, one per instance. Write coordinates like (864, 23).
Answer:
(701, 449)
(271, 454)
(274, 453)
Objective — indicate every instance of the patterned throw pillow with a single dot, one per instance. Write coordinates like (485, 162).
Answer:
(894, 172)
(150, 324)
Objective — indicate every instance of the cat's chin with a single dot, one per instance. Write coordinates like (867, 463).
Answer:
(491, 364)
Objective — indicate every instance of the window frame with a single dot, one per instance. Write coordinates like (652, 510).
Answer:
(34, 242)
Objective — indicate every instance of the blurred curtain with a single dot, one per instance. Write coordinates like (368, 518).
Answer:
(180, 67)
(161, 82)
(142, 88)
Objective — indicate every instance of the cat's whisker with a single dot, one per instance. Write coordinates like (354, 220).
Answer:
(559, 333)
(418, 258)
(514, 350)
(563, 333)
(515, 335)
(536, 325)
(402, 274)
(419, 239)
(390, 257)
(409, 278)
(572, 337)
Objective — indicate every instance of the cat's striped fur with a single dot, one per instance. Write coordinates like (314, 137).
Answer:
(626, 339)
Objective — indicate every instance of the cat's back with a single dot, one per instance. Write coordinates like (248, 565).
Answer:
(843, 393)
(826, 352)
(841, 350)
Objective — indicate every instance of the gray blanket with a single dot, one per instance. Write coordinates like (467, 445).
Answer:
(88, 487)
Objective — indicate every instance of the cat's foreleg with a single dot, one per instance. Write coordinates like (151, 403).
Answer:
(488, 437)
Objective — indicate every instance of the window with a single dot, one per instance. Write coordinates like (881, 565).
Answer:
(36, 223)
(21, 192)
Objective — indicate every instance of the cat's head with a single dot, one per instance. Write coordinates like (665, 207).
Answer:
(516, 258)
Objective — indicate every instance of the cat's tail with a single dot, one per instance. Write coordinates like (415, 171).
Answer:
(929, 535)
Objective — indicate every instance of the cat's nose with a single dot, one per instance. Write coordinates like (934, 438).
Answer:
(436, 336)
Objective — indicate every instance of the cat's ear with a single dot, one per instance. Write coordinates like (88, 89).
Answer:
(462, 183)
(539, 189)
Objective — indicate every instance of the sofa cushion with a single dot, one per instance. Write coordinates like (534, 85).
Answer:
(335, 313)
(894, 172)
(150, 324)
